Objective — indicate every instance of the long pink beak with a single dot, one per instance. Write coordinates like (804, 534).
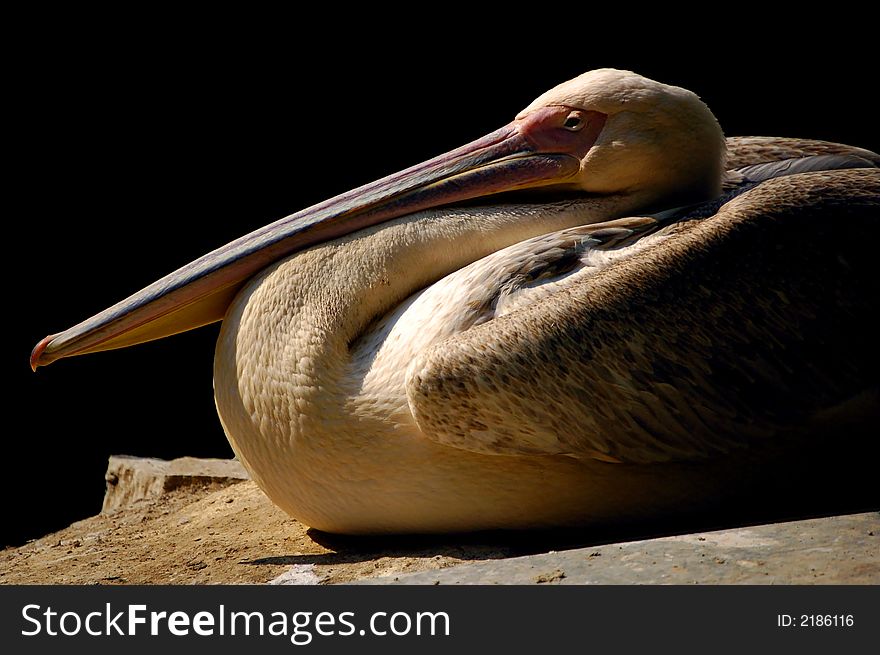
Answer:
(534, 150)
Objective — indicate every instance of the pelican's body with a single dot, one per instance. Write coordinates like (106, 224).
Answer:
(549, 363)
(347, 453)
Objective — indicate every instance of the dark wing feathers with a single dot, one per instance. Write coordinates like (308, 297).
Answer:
(752, 317)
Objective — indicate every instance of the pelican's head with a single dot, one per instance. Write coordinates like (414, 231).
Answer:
(605, 133)
(658, 142)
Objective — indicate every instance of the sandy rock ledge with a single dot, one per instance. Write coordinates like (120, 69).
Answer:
(192, 521)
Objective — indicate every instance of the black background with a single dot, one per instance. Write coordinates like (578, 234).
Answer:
(142, 142)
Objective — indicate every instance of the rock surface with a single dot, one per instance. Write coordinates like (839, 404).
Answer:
(197, 522)
(132, 479)
(832, 550)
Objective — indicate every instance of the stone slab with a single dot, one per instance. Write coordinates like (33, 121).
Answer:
(831, 550)
(132, 479)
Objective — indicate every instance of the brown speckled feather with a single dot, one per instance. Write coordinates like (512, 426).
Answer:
(739, 326)
(751, 150)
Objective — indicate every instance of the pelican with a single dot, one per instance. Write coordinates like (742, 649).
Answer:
(603, 310)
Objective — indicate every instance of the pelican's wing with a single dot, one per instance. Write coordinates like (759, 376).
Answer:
(751, 150)
(727, 328)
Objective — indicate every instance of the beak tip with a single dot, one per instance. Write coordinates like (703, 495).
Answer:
(37, 352)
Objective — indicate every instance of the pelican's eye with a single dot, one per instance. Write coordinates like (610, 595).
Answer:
(574, 121)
